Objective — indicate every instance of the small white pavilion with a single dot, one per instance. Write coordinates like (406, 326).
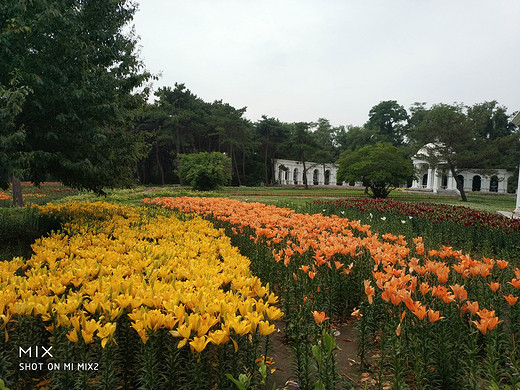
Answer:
(437, 178)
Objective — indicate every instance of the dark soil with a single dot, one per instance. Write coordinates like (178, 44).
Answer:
(347, 361)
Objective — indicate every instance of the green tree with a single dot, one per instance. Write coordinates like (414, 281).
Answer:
(12, 100)
(493, 124)
(175, 124)
(272, 136)
(491, 120)
(357, 137)
(234, 134)
(381, 168)
(205, 171)
(82, 72)
(389, 119)
(303, 145)
(457, 139)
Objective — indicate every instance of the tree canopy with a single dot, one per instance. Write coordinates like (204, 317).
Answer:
(381, 168)
(78, 72)
(462, 138)
(388, 118)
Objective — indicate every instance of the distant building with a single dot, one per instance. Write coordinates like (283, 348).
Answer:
(290, 172)
(439, 179)
(516, 121)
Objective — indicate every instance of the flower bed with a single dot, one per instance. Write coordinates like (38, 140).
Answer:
(144, 300)
(432, 212)
(45, 192)
(427, 318)
(478, 232)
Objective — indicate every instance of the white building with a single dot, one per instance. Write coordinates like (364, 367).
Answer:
(516, 121)
(290, 172)
(437, 177)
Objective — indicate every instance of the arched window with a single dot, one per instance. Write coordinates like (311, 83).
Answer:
(295, 176)
(444, 184)
(425, 180)
(315, 177)
(493, 184)
(476, 183)
(327, 177)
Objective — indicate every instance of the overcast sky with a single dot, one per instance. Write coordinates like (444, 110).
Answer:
(303, 60)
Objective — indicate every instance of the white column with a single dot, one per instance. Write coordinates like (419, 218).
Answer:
(429, 183)
(452, 183)
(484, 183)
(415, 182)
(502, 186)
(332, 178)
(517, 210)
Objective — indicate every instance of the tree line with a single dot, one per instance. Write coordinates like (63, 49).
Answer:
(74, 107)
(178, 122)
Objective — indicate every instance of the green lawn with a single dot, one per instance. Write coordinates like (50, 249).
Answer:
(274, 195)
(280, 195)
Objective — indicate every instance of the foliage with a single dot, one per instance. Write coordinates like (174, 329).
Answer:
(205, 171)
(461, 138)
(19, 229)
(389, 119)
(179, 122)
(381, 168)
(75, 73)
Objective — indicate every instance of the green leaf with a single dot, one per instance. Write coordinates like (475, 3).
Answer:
(242, 383)
(2, 385)
(316, 351)
(329, 341)
(319, 385)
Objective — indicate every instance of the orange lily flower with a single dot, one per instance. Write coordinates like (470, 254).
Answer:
(434, 316)
(370, 291)
(511, 299)
(515, 282)
(460, 292)
(319, 316)
(420, 311)
(502, 264)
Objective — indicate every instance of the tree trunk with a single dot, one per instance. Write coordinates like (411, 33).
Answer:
(460, 187)
(233, 155)
(305, 175)
(178, 152)
(161, 170)
(17, 192)
(266, 165)
(244, 163)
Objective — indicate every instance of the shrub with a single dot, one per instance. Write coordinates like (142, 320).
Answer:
(205, 171)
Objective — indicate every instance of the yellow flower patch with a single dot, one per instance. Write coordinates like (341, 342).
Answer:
(161, 272)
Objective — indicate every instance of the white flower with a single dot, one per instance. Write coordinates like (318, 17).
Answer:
(403, 221)
(342, 212)
(383, 218)
(371, 215)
